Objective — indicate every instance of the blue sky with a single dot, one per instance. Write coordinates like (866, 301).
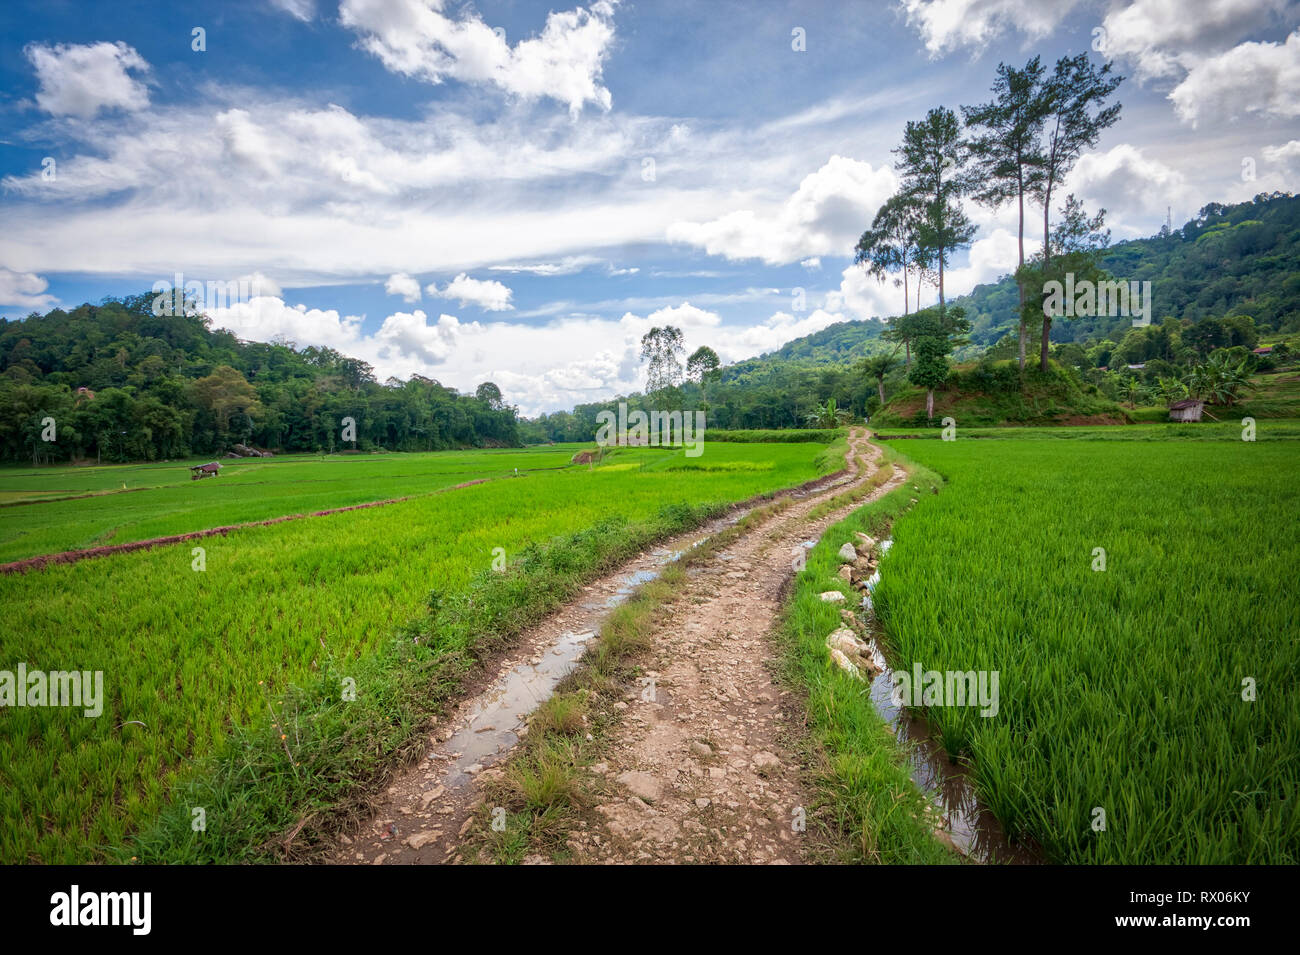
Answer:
(516, 191)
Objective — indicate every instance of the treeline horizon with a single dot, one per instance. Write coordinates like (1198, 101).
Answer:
(161, 379)
(115, 382)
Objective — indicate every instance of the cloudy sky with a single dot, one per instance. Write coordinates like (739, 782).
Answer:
(516, 191)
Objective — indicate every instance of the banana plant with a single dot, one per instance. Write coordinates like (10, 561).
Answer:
(829, 416)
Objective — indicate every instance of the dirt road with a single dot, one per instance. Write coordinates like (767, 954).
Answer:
(704, 764)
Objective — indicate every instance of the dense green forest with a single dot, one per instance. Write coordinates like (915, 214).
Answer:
(115, 382)
(1224, 279)
(123, 384)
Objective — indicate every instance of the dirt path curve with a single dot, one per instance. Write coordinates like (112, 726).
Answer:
(704, 769)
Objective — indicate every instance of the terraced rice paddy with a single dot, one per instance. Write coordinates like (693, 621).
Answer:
(108, 505)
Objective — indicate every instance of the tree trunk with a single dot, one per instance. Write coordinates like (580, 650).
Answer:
(880, 384)
(929, 404)
(1020, 283)
(940, 283)
(1047, 258)
(905, 290)
(907, 347)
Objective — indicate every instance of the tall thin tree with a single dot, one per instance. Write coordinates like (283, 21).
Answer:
(1073, 105)
(1006, 151)
(931, 161)
(892, 242)
(661, 349)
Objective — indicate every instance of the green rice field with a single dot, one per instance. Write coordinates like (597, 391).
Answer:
(189, 656)
(1162, 690)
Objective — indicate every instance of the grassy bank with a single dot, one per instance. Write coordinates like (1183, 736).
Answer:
(866, 791)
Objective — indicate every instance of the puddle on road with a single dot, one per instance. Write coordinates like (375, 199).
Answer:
(948, 785)
(493, 725)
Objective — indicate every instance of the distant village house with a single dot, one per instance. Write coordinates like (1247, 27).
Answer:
(1189, 409)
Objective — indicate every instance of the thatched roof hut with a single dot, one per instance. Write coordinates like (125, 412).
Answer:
(1189, 409)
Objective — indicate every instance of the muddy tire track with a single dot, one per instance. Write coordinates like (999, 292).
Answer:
(706, 770)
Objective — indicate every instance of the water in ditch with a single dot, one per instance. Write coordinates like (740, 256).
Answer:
(970, 826)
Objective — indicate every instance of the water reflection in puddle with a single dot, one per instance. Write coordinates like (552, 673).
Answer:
(499, 714)
(493, 726)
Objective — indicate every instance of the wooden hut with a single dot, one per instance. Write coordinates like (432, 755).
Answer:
(205, 470)
(1189, 409)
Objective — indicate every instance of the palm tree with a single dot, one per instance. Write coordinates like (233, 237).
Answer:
(829, 416)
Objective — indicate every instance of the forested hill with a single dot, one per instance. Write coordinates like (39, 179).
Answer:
(1239, 259)
(1226, 263)
(123, 384)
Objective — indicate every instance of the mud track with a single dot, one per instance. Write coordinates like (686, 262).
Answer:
(710, 770)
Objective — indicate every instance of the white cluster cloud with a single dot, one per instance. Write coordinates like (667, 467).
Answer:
(259, 284)
(24, 290)
(402, 284)
(82, 79)
(990, 257)
(1200, 47)
(267, 317)
(1259, 78)
(865, 296)
(773, 332)
(304, 10)
(488, 294)
(1287, 155)
(824, 216)
(1163, 38)
(418, 38)
(410, 334)
(1125, 179)
(949, 24)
